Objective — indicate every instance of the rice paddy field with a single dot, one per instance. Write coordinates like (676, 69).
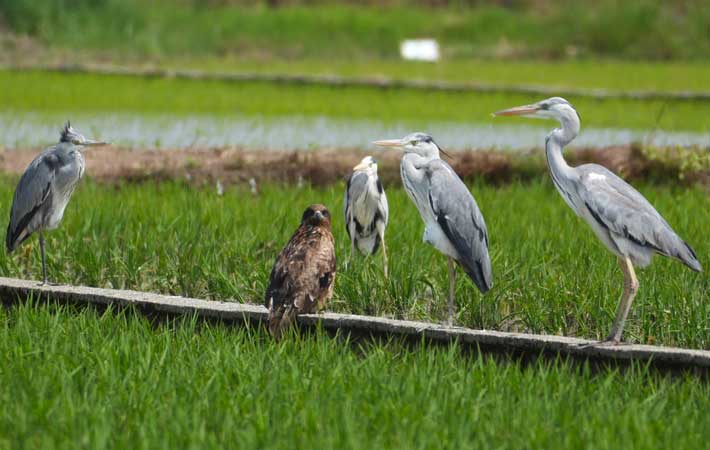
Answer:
(551, 276)
(81, 377)
(47, 92)
(114, 379)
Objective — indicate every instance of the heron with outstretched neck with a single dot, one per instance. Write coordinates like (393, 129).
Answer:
(44, 190)
(453, 223)
(626, 223)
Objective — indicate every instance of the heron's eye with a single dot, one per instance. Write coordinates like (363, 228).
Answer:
(414, 143)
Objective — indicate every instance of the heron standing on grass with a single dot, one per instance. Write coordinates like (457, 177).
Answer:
(45, 189)
(453, 223)
(366, 210)
(619, 215)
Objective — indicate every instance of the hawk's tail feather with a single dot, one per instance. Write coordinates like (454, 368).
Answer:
(280, 320)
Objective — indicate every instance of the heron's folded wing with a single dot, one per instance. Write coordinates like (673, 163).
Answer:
(459, 217)
(620, 208)
(357, 184)
(32, 192)
(383, 206)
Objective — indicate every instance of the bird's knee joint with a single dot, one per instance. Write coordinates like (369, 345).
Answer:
(633, 286)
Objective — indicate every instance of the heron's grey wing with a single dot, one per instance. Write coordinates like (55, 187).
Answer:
(382, 205)
(357, 184)
(458, 215)
(32, 193)
(621, 209)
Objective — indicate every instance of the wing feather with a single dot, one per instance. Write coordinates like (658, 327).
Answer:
(32, 192)
(302, 278)
(357, 184)
(620, 208)
(461, 220)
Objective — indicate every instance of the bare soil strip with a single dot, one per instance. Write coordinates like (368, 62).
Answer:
(513, 344)
(379, 82)
(232, 166)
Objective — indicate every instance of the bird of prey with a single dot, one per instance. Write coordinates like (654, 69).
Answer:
(626, 223)
(453, 223)
(366, 211)
(302, 278)
(44, 190)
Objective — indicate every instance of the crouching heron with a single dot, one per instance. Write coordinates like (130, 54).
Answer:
(620, 216)
(44, 190)
(453, 223)
(366, 211)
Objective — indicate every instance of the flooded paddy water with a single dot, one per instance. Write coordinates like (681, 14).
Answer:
(34, 129)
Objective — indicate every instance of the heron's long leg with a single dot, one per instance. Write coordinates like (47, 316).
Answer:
(44, 263)
(384, 255)
(352, 253)
(452, 289)
(631, 286)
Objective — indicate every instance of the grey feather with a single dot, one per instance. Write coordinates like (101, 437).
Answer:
(461, 220)
(357, 184)
(365, 209)
(626, 213)
(32, 193)
(43, 192)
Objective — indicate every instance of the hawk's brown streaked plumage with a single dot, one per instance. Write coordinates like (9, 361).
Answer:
(302, 278)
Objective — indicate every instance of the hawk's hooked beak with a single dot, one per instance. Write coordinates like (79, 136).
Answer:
(525, 110)
(319, 215)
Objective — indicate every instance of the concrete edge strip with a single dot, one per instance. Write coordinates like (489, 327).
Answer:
(385, 83)
(532, 344)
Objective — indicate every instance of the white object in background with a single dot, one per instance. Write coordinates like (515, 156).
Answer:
(420, 49)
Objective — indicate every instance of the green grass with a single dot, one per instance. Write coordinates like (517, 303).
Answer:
(576, 74)
(65, 93)
(551, 275)
(82, 379)
(631, 30)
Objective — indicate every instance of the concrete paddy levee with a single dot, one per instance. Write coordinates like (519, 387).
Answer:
(526, 345)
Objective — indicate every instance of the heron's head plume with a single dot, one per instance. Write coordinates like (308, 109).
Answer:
(420, 143)
(71, 136)
(316, 215)
(368, 163)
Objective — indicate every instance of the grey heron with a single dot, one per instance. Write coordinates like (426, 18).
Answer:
(44, 190)
(625, 222)
(453, 223)
(366, 210)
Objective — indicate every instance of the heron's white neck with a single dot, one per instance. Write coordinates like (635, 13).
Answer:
(556, 140)
(425, 155)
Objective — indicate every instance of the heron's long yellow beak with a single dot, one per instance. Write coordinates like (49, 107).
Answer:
(518, 111)
(90, 143)
(390, 143)
(361, 166)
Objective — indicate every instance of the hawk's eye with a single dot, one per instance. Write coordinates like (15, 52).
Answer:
(326, 213)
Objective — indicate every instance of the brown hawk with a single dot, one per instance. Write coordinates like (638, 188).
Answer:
(302, 278)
